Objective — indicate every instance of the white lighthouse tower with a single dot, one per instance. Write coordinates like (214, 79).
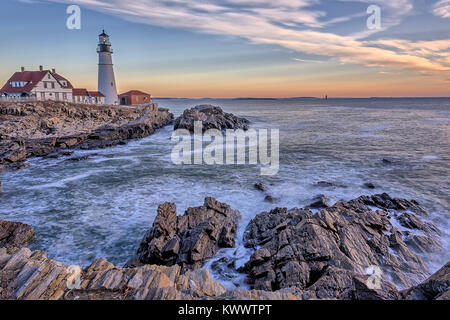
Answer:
(106, 79)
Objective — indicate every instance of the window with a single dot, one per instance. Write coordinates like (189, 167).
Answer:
(64, 96)
(45, 85)
(57, 95)
(43, 95)
(53, 85)
(49, 76)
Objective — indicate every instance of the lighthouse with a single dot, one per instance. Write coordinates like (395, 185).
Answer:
(106, 79)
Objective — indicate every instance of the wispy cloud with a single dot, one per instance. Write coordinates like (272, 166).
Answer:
(293, 24)
(306, 60)
(442, 9)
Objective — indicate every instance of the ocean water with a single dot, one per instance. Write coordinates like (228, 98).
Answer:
(103, 206)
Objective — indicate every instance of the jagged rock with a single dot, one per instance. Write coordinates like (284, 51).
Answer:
(369, 185)
(15, 234)
(327, 184)
(190, 239)
(211, 117)
(340, 284)
(42, 128)
(295, 247)
(261, 187)
(12, 151)
(271, 199)
(27, 275)
(384, 201)
(437, 287)
(320, 202)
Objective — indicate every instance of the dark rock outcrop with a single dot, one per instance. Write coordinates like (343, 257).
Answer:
(190, 239)
(328, 184)
(261, 187)
(369, 185)
(296, 248)
(12, 152)
(319, 202)
(15, 234)
(271, 199)
(437, 287)
(211, 117)
(341, 284)
(42, 128)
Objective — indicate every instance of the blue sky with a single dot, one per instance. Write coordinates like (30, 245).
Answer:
(232, 48)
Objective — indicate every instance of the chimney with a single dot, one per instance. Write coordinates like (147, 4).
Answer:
(41, 68)
(54, 70)
(22, 68)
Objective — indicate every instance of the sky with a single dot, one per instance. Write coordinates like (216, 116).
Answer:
(234, 48)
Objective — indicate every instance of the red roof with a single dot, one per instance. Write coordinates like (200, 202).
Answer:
(60, 78)
(31, 78)
(80, 92)
(135, 93)
(96, 94)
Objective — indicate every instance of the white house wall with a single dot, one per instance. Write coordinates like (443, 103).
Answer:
(57, 93)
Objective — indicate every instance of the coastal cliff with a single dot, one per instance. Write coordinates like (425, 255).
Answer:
(45, 128)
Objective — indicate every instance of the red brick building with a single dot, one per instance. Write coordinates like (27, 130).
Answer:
(134, 97)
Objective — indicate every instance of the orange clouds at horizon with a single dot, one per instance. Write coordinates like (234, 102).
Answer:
(186, 87)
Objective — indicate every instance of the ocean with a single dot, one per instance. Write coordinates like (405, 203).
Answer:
(103, 206)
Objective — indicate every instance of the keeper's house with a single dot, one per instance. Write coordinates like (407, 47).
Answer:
(39, 85)
(46, 85)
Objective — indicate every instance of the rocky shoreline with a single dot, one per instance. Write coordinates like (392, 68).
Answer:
(47, 128)
(323, 251)
(298, 255)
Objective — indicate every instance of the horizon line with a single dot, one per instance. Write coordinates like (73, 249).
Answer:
(315, 98)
